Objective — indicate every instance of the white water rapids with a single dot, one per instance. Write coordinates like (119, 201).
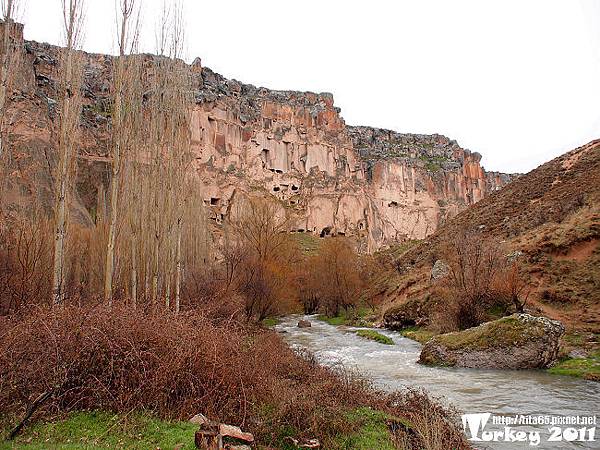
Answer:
(500, 392)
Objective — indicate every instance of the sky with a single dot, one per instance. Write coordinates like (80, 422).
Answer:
(515, 80)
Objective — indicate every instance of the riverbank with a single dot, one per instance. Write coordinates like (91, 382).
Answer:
(143, 371)
(103, 430)
(586, 366)
(395, 367)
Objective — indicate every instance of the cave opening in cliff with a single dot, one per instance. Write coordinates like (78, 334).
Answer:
(264, 155)
(276, 189)
(325, 232)
(214, 201)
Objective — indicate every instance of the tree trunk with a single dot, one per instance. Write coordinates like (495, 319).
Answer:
(178, 269)
(133, 272)
(60, 215)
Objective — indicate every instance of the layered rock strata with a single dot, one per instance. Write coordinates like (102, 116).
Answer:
(376, 185)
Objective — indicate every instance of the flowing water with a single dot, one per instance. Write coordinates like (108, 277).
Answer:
(500, 392)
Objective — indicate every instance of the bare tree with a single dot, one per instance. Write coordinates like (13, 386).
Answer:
(127, 40)
(336, 270)
(71, 72)
(267, 254)
(475, 263)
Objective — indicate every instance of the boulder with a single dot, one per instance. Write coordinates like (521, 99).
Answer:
(407, 314)
(235, 432)
(439, 270)
(304, 324)
(520, 341)
(200, 419)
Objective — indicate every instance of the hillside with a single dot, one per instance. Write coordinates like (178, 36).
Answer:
(552, 216)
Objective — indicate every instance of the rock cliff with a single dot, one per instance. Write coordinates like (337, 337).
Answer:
(377, 185)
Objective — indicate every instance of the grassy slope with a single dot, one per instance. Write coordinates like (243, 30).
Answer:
(418, 334)
(102, 430)
(373, 432)
(359, 317)
(588, 368)
(552, 215)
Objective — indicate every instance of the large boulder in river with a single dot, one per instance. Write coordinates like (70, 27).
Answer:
(304, 324)
(520, 341)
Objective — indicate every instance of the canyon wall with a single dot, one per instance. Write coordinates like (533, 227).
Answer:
(376, 185)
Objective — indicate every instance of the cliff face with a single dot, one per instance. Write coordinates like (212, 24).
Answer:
(294, 147)
(375, 184)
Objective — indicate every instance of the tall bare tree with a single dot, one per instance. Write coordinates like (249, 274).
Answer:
(69, 90)
(127, 40)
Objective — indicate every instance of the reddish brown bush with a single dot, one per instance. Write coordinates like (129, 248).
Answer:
(125, 359)
(331, 280)
(480, 278)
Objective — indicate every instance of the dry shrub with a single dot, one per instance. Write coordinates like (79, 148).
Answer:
(433, 424)
(25, 262)
(260, 258)
(332, 278)
(480, 279)
(176, 366)
(125, 359)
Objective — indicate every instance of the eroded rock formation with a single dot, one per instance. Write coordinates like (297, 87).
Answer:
(294, 147)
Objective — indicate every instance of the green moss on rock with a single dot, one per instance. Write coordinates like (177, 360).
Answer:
(520, 341)
(508, 331)
(375, 336)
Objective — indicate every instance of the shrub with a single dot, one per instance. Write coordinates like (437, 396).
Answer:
(125, 360)
(481, 279)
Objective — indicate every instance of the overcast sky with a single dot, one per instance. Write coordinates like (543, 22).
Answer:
(516, 80)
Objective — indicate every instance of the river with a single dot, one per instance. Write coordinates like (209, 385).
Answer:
(499, 392)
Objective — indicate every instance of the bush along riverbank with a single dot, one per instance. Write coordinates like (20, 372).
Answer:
(93, 376)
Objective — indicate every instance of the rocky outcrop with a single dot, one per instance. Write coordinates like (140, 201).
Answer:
(439, 270)
(414, 312)
(376, 185)
(520, 341)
